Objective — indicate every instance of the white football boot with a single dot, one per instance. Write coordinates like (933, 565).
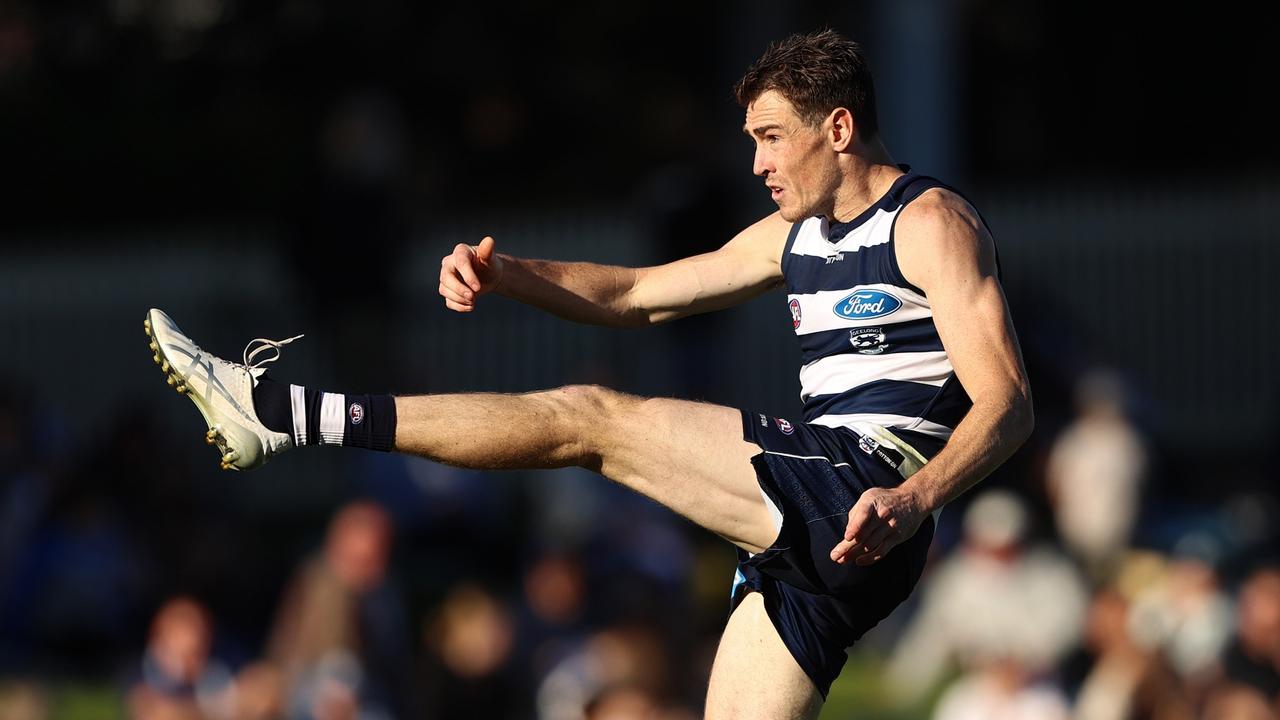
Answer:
(221, 390)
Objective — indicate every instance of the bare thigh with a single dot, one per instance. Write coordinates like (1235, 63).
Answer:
(690, 457)
(754, 676)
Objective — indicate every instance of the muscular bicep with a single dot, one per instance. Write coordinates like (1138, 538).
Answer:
(745, 267)
(947, 251)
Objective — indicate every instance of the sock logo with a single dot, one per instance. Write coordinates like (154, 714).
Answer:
(356, 413)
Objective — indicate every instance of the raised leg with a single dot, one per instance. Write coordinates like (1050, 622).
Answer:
(754, 676)
(688, 456)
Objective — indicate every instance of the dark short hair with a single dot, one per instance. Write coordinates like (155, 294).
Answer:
(816, 73)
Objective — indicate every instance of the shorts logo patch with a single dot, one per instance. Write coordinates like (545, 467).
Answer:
(866, 305)
(795, 313)
(785, 426)
(356, 413)
(764, 421)
(868, 341)
(868, 444)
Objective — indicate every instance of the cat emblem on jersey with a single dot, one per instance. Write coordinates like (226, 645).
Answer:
(795, 313)
(868, 341)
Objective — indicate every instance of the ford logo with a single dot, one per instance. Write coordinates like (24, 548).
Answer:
(867, 304)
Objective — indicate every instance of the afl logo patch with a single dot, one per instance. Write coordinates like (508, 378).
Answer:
(868, 341)
(795, 313)
(356, 413)
(785, 426)
(867, 305)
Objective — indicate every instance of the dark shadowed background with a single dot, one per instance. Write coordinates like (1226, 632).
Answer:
(261, 169)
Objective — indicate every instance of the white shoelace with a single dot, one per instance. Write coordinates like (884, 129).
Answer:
(264, 345)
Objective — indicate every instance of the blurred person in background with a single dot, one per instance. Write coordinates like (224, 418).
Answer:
(336, 688)
(469, 645)
(1001, 689)
(1183, 614)
(625, 702)
(631, 656)
(1253, 656)
(23, 700)
(1095, 474)
(341, 627)
(1127, 678)
(180, 680)
(1239, 702)
(622, 703)
(994, 599)
(260, 692)
(552, 620)
(914, 384)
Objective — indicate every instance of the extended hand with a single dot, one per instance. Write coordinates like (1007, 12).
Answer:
(467, 273)
(881, 519)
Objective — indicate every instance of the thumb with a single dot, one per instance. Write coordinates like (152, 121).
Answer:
(484, 251)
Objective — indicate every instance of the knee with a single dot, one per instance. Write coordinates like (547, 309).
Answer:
(590, 400)
(594, 411)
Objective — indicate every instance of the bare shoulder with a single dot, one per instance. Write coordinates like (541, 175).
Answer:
(941, 230)
(762, 241)
(765, 233)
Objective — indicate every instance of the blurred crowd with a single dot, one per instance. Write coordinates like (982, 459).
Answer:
(1062, 594)
(1097, 576)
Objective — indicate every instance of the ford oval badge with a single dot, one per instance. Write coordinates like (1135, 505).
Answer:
(867, 304)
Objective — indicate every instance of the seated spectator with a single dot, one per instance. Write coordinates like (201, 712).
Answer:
(469, 644)
(1128, 678)
(342, 624)
(1001, 690)
(994, 598)
(1253, 658)
(179, 680)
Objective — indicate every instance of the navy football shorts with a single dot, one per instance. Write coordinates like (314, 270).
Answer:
(814, 475)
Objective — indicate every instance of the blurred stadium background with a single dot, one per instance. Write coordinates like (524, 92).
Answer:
(260, 169)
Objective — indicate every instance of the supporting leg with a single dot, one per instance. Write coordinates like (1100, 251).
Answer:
(754, 676)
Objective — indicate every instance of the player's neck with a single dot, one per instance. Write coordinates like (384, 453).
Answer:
(868, 175)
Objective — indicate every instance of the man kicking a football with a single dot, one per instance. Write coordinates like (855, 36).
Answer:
(912, 380)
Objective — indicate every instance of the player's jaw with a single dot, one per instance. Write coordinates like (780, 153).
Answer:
(791, 205)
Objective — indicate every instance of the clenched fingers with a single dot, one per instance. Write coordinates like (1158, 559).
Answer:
(455, 301)
(464, 259)
(452, 288)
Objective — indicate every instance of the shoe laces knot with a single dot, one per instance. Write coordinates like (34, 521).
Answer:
(262, 347)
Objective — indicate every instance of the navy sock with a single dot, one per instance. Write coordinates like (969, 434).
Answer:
(315, 417)
(271, 401)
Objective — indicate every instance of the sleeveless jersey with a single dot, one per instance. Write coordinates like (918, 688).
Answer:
(870, 351)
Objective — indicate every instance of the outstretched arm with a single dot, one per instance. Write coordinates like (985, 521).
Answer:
(944, 249)
(618, 296)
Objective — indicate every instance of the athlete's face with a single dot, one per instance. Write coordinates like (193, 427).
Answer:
(795, 159)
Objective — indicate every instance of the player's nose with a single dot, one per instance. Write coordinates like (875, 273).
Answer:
(762, 164)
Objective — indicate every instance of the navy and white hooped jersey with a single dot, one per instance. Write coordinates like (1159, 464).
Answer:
(870, 351)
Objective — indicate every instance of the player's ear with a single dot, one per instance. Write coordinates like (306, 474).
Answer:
(841, 129)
